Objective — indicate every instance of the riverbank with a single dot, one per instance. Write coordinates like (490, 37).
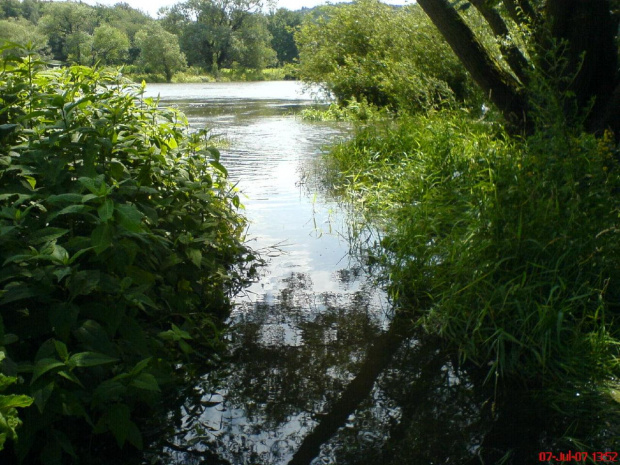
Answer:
(507, 250)
(195, 75)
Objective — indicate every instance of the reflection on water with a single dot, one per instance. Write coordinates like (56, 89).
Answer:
(315, 371)
(299, 334)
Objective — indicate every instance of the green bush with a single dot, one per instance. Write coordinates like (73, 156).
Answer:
(389, 57)
(118, 239)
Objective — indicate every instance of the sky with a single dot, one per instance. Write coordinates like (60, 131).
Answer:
(151, 6)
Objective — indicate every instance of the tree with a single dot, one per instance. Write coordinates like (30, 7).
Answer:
(387, 56)
(69, 27)
(282, 25)
(10, 9)
(159, 50)
(581, 34)
(251, 44)
(22, 31)
(214, 33)
(110, 45)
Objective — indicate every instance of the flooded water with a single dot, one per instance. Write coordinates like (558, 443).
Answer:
(315, 373)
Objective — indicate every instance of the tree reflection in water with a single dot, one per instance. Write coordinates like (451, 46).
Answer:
(289, 362)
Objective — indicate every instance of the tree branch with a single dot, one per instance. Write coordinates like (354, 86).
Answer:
(515, 59)
(501, 87)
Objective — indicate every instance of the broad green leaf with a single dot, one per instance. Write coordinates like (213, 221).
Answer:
(32, 182)
(65, 443)
(15, 401)
(172, 143)
(70, 376)
(218, 166)
(6, 129)
(64, 198)
(61, 348)
(101, 237)
(119, 422)
(129, 217)
(46, 235)
(19, 292)
(109, 390)
(89, 359)
(84, 282)
(71, 209)
(61, 273)
(106, 210)
(96, 185)
(145, 381)
(195, 256)
(41, 396)
(141, 365)
(59, 255)
(43, 366)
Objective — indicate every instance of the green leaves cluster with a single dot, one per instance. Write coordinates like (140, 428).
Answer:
(390, 57)
(120, 242)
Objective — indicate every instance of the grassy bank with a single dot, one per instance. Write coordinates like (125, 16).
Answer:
(197, 75)
(506, 247)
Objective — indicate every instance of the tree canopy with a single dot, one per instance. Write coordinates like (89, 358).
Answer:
(159, 50)
(371, 51)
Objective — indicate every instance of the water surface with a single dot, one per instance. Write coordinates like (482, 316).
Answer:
(313, 373)
(299, 333)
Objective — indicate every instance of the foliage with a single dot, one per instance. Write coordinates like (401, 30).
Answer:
(69, 27)
(389, 57)
(159, 51)
(251, 45)
(9, 421)
(118, 232)
(350, 111)
(216, 33)
(587, 32)
(282, 25)
(22, 32)
(110, 45)
(506, 248)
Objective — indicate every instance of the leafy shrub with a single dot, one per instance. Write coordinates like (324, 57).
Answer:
(351, 111)
(118, 236)
(390, 57)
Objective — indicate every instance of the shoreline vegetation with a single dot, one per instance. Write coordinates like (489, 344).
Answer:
(190, 76)
(121, 243)
(499, 231)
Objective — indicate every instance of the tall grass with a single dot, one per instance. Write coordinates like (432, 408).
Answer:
(507, 248)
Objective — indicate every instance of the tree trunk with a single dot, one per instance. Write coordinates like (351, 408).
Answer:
(517, 62)
(584, 29)
(502, 89)
(588, 31)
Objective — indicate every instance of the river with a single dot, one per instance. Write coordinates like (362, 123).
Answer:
(307, 341)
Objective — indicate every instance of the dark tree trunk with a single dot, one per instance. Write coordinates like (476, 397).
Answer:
(500, 86)
(517, 62)
(587, 31)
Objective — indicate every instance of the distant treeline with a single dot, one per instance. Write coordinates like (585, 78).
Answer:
(206, 35)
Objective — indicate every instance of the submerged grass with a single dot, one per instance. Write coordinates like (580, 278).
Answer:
(507, 248)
